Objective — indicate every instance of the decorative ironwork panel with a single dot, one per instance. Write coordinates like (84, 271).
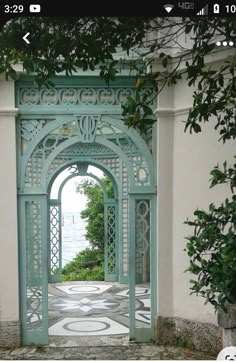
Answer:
(84, 128)
(114, 135)
(111, 240)
(33, 266)
(87, 125)
(55, 242)
(142, 238)
(140, 170)
(77, 150)
(43, 150)
(73, 96)
(31, 127)
(87, 149)
(56, 163)
(124, 240)
(78, 122)
(124, 180)
(113, 163)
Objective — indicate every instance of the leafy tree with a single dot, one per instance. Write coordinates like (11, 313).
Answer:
(104, 43)
(89, 263)
(212, 247)
(94, 211)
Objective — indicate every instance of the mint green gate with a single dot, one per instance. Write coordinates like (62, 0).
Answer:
(75, 124)
(110, 226)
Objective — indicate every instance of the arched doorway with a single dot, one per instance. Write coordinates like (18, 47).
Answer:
(111, 222)
(74, 124)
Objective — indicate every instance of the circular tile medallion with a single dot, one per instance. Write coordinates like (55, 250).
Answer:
(86, 326)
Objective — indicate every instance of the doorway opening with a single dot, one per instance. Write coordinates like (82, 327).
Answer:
(82, 308)
(78, 123)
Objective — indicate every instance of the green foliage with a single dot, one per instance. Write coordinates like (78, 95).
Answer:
(103, 43)
(227, 175)
(83, 266)
(67, 44)
(94, 211)
(78, 268)
(94, 43)
(212, 247)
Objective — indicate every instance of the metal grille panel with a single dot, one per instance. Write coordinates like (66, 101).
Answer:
(142, 237)
(125, 237)
(55, 243)
(111, 239)
(33, 266)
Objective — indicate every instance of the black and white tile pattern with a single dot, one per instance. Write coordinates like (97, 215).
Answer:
(84, 289)
(96, 309)
(85, 304)
(100, 326)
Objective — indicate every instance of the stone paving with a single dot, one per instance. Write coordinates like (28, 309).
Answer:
(89, 321)
(132, 351)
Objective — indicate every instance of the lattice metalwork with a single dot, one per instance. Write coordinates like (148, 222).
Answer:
(85, 129)
(71, 152)
(43, 150)
(55, 242)
(89, 149)
(124, 180)
(56, 164)
(124, 240)
(113, 163)
(111, 239)
(114, 135)
(142, 230)
(33, 265)
(140, 170)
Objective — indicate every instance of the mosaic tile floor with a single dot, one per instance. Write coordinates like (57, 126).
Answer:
(85, 289)
(93, 309)
(100, 326)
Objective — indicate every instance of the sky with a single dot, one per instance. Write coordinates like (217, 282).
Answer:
(72, 201)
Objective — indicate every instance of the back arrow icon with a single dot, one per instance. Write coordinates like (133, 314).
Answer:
(25, 38)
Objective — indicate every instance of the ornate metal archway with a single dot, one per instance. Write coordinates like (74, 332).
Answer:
(111, 231)
(78, 121)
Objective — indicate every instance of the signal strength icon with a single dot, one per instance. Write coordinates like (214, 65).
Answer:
(168, 7)
(203, 11)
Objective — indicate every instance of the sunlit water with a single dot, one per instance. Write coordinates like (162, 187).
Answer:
(73, 236)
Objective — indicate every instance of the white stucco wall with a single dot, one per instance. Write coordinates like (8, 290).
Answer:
(185, 162)
(9, 291)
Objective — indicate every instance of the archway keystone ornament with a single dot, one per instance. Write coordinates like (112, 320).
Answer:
(87, 127)
(76, 124)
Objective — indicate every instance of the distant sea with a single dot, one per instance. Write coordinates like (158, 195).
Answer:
(73, 236)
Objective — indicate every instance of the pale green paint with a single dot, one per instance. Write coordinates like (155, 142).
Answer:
(80, 113)
(55, 277)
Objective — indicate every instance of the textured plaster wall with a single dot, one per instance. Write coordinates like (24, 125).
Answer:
(9, 295)
(194, 156)
(184, 163)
